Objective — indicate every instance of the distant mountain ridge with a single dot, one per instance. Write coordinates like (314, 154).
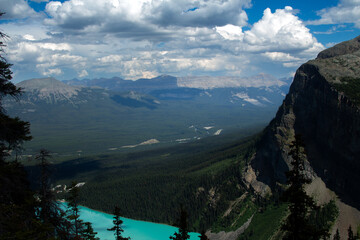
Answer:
(101, 114)
(170, 82)
(261, 90)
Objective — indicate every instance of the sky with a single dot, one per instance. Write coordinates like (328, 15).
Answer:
(145, 38)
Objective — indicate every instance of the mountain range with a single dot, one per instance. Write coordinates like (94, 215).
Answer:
(95, 115)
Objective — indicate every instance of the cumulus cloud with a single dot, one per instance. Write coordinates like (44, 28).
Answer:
(143, 17)
(131, 38)
(83, 73)
(46, 58)
(230, 32)
(16, 9)
(347, 11)
(280, 30)
(197, 13)
(52, 72)
(280, 56)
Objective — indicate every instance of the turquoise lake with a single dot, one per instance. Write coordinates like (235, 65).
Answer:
(137, 230)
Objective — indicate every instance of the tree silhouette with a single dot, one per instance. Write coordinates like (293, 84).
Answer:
(203, 236)
(89, 233)
(117, 228)
(297, 225)
(48, 210)
(351, 234)
(337, 235)
(17, 215)
(13, 131)
(183, 233)
(74, 216)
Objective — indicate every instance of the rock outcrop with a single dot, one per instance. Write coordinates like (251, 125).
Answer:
(323, 107)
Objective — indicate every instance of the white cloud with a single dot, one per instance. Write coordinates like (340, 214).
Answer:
(347, 11)
(110, 59)
(52, 72)
(230, 32)
(130, 39)
(138, 16)
(55, 46)
(39, 1)
(291, 64)
(16, 9)
(198, 13)
(32, 29)
(83, 73)
(29, 37)
(280, 56)
(47, 58)
(280, 30)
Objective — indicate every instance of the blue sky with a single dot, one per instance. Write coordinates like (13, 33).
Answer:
(145, 38)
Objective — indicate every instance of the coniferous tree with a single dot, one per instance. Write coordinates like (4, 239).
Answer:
(117, 228)
(49, 211)
(46, 196)
(297, 225)
(89, 233)
(17, 205)
(13, 131)
(351, 234)
(74, 216)
(337, 235)
(183, 233)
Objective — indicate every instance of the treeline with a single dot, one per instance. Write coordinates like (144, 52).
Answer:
(154, 196)
(151, 184)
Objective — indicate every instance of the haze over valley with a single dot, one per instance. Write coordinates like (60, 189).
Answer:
(100, 115)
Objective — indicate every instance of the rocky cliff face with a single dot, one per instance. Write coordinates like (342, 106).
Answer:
(323, 107)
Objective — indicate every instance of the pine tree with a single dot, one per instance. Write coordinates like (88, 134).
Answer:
(297, 225)
(183, 233)
(74, 216)
(337, 235)
(49, 211)
(17, 205)
(13, 131)
(89, 233)
(45, 195)
(117, 228)
(351, 234)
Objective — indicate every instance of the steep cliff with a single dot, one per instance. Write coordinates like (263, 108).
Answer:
(323, 107)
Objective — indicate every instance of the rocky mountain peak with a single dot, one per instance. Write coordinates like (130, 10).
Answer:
(47, 87)
(343, 48)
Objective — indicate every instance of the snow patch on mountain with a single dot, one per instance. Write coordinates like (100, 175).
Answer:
(244, 96)
(218, 132)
